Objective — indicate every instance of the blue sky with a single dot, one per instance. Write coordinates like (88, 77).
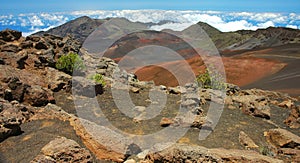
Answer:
(26, 6)
(30, 16)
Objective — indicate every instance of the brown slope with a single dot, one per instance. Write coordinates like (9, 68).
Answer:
(287, 80)
(239, 70)
(79, 28)
(236, 46)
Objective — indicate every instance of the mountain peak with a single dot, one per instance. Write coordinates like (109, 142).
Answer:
(80, 28)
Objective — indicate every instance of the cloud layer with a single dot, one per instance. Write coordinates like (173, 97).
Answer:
(176, 20)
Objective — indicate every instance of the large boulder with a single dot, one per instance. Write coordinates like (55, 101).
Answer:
(38, 96)
(281, 138)
(10, 35)
(58, 80)
(12, 115)
(63, 150)
(188, 153)
(85, 87)
(91, 134)
(24, 86)
(14, 89)
(10, 48)
(293, 120)
(254, 105)
(246, 141)
(14, 59)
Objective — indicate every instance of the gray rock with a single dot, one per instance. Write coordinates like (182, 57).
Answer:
(85, 87)
(188, 103)
(101, 65)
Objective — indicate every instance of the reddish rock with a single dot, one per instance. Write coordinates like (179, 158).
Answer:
(90, 133)
(282, 138)
(38, 96)
(63, 150)
(287, 104)
(165, 122)
(293, 153)
(189, 153)
(12, 115)
(293, 120)
(246, 141)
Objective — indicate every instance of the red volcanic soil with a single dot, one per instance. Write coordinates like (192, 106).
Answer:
(287, 80)
(159, 75)
(275, 68)
(239, 70)
(245, 70)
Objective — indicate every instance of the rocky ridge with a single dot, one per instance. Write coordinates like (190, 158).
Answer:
(29, 80)
(81, 27)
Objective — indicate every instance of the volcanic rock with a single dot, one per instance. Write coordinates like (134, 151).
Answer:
(188, 153)
(85, 87)
(293, 119)
(12, 115)
(63, 150)
(10, 35)
(282, 138)
(246, 141)
(165, 122)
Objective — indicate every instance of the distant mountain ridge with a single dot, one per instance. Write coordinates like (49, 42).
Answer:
(82, 27)
(266, 58)
(79, 28)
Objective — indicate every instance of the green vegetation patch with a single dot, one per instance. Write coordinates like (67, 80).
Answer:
(98, 79)
(70, 63)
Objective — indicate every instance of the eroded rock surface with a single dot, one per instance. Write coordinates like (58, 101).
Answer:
(185, 153)
(63, 150)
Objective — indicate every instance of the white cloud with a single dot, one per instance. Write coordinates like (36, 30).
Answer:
(210, 19)
(176, 20)
(173, 26)
(292, 26)
(234, 26)
(35, 21)
(266, 24)
(34, 30)
(241, 14)
(23, 22)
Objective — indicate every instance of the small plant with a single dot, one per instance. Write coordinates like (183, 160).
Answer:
(70, 63)
(265, 150)
(210, 80)
(98, 78)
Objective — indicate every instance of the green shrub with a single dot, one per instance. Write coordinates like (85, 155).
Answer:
(98, 78)
(210, 80)
(70, 63)
(265, 150)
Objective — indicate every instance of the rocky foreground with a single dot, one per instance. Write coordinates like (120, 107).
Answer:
(38, 121)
